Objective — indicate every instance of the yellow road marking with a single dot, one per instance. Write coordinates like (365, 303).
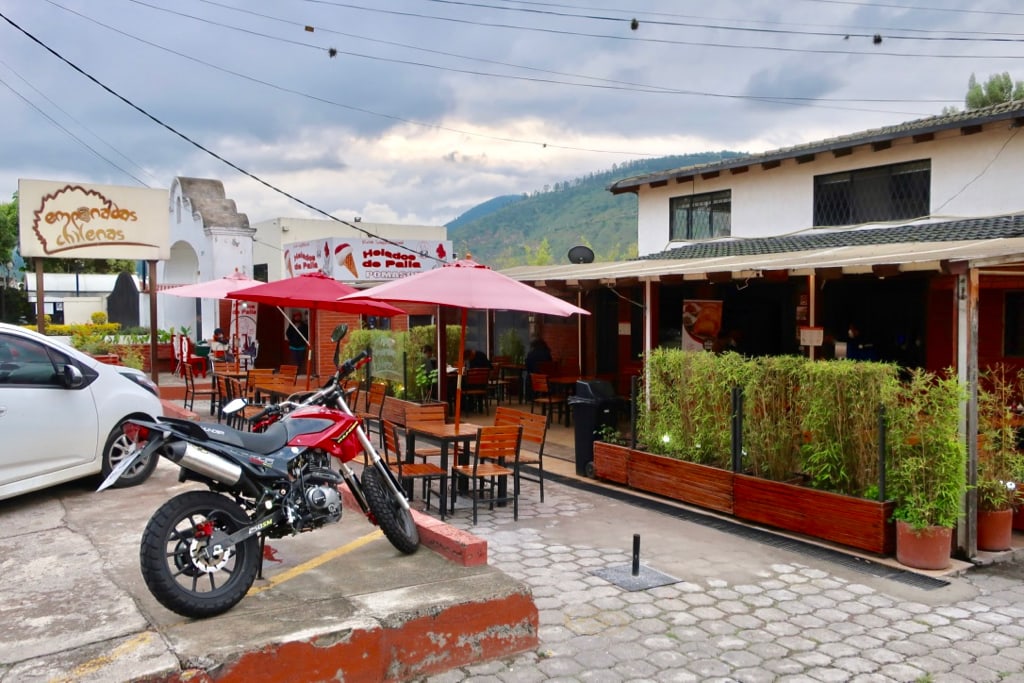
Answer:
(289, 574)
(94, 665)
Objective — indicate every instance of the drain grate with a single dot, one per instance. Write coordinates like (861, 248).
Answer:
(859, 564)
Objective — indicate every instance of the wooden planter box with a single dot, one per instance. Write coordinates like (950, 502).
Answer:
(707, 487)
(702, 485)
(855, 522)
(611, 462)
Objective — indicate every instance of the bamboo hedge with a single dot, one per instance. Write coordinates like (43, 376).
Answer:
(815, 421)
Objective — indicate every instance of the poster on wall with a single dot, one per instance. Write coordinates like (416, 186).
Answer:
(702, 320)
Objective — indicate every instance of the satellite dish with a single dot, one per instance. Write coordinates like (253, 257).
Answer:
(581, 254)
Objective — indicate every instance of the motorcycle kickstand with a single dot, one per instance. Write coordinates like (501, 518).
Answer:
(259, 568)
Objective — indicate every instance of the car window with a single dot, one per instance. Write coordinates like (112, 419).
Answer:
(27, 362)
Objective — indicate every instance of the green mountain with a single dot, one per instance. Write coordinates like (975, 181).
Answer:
(541, 227)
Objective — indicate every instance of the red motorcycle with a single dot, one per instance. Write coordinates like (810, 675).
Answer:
(202, 549)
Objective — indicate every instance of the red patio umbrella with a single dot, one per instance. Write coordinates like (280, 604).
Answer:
(218, 289)
(466, 285)
(315, 291)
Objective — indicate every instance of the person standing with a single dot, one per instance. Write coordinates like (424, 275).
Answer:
(297, 335)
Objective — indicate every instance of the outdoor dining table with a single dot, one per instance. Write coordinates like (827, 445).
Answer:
(276, 390)
(445, 435)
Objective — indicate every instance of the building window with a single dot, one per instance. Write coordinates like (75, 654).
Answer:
(701, 216)
(882, 193)
(1013, 324)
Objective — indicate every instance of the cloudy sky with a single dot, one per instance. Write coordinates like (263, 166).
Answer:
(414, 111)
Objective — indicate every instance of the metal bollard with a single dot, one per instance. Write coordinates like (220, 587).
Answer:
(636, 554)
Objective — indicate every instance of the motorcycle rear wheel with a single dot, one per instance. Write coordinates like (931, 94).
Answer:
(175, 565)
(395, 519)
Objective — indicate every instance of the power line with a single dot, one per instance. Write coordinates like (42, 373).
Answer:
(717, 27)
(67, 132)
(362, 110)
(80, 124)
(201, 147)
(666, 41)
(627, 85)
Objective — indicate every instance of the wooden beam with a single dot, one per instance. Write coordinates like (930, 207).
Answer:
(740, 169)
(768, 165)
(886, 269)
(709, 175)
(923, 137)
(659, 183)
(805, 158)
(881, 145)
(842, 152)
(970, 130)
(684, 179)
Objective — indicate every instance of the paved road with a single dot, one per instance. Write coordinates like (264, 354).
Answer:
(735, 608)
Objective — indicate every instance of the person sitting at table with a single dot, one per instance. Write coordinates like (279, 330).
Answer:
(477, 359)
(220, 349)
(539, 353)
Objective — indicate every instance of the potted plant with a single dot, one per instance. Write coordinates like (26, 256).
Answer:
(927, 464)
(999, 463)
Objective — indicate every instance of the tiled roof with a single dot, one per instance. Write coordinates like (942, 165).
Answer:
(948, 231)
(931, 124)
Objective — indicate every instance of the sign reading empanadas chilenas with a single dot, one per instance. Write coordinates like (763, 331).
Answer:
(81, 220)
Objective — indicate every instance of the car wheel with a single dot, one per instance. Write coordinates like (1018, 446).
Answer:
(117, 449)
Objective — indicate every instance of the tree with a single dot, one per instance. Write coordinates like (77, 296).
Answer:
(8, 229)
(997, 89)
(541, 256)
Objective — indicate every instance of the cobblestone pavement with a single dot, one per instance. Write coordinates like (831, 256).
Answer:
(741, 610)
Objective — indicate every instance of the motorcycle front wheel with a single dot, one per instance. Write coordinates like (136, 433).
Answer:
(184, 562)
(395, 519)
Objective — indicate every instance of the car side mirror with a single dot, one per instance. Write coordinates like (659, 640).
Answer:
(72, 377)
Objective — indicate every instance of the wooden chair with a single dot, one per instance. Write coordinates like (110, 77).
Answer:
(254, 377)
(243, 418)
(494, 460)
(545, 398)
(409, 471)
(287, 372)
(476, 389)
(426, 412)
(197, 363)
(191, 393)
(535, 432)
(372, 415)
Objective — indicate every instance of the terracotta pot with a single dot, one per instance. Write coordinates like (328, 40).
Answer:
(995, 529)
(926, 549)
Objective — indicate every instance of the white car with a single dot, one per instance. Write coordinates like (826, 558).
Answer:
(61, 412)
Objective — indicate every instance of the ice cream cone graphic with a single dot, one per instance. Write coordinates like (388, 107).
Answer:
(343, 255)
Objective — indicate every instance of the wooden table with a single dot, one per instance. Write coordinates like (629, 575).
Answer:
(276, 390)
(445, 435)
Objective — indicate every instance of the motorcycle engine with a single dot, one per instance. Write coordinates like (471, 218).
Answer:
(324, 503)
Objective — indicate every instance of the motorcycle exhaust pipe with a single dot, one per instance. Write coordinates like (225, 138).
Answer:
(204, 462)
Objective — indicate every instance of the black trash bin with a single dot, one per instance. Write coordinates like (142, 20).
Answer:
(593, 406)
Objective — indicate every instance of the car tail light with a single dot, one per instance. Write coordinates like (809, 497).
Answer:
(136, 433)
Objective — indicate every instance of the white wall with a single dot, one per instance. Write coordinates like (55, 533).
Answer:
(972, 175)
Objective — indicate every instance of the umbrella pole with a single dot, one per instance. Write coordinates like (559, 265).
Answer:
(309, 346)
(460, 364)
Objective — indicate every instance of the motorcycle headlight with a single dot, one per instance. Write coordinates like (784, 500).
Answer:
(143, 381)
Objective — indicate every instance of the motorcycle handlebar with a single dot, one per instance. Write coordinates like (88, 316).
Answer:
(354, 363)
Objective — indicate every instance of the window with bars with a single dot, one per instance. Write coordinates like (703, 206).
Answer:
(881, 193)
(701, 216)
